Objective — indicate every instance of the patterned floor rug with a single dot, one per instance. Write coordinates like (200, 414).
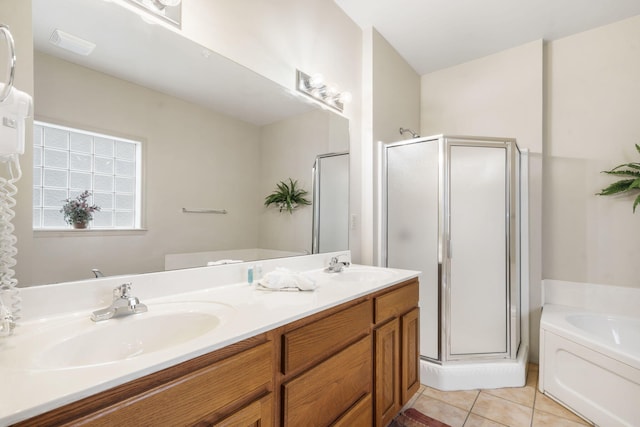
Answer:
(414, 418)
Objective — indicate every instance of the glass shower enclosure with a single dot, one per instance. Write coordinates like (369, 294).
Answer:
(451, 209)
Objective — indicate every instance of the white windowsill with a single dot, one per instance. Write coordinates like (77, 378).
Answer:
(93, 232)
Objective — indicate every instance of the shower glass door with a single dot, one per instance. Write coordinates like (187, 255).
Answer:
(330, 203)
(412, 216)
(478, 232)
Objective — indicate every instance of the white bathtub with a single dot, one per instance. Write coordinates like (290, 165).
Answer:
(590, 363)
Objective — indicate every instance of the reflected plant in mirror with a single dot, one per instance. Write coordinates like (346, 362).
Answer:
(287, 196)
(77, 211)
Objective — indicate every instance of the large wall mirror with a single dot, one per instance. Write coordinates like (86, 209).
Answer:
(215, 136)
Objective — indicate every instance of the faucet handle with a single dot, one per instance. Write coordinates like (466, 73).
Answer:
(122, 291)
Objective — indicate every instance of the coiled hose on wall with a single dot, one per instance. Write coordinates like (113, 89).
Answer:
(9, 295)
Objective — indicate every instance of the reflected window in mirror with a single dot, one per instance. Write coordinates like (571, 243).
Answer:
(68, 161)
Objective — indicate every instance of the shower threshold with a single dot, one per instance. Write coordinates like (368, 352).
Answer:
(471, 375)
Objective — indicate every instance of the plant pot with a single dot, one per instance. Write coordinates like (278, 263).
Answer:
(285, 207)
(80, 225)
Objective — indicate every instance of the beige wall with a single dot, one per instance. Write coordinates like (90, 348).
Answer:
(191, 157)
(277, 37)
(396, 93)
(395, 103)
(593, 99)
(499, 95)
(288, 150)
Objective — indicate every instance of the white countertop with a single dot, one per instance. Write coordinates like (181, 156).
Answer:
(30, 387)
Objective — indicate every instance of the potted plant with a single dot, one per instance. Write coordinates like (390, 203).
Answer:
(624, 185)
(77, 211)
(287, 196)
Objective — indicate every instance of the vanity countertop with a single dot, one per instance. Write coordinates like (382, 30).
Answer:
(35, 384)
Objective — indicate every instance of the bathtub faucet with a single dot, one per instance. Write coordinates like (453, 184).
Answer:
(123, 304)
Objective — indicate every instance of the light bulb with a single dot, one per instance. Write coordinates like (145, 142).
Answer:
(345, 97)
(331, 90)
(317, 93)
(317, 80)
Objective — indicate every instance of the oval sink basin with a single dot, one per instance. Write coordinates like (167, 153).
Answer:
(163, 326)
(359, 274)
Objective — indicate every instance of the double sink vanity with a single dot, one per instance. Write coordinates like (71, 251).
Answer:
(211, 349)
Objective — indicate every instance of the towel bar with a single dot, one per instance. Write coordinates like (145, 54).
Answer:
(211, 211)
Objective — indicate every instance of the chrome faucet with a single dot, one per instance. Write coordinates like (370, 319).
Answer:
(123, 304)
(336, 266)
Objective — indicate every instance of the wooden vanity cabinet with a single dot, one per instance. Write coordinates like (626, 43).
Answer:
(356, 366)
(353, 365)
(396, 352)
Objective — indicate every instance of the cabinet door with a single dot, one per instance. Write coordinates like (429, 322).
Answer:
(387, 372)
(410, 324)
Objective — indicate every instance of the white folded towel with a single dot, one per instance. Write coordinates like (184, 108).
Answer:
(282, 279)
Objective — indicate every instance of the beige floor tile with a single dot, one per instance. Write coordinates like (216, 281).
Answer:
(413, 398)
(478, 421)
(550, 406)
(532, 378)
(440, 411)
(533, 367)
(461, 399)
(545, 419)
(522, 395)
(502, 411)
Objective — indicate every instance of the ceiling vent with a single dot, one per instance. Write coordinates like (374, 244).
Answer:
(71, 43)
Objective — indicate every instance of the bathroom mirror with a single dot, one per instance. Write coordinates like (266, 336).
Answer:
(215, 136)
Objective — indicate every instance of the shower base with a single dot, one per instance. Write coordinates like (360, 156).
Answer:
(470, 375)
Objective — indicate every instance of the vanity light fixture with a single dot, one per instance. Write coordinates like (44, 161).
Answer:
(315, 87)
(161, 4)
(71, 43)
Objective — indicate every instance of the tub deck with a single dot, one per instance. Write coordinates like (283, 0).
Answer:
(585, 372)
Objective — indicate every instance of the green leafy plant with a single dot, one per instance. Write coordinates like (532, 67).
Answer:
(624, 185)
(78, 210)
(287, 196)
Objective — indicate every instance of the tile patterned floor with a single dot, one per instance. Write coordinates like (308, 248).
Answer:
(511, 407)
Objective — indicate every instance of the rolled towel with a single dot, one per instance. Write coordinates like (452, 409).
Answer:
(283, 279)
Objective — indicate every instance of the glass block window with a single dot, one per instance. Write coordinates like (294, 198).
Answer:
(68, 161)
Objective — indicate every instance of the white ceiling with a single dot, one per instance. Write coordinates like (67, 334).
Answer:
(150, 54)
(435, 34)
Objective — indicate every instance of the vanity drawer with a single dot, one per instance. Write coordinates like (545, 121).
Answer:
(323, 394)
(396, 302)
(312, 342)
(202, 394)
(360, 414)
